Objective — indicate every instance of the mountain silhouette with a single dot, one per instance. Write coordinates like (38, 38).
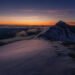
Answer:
(61, 24)
(59, 32)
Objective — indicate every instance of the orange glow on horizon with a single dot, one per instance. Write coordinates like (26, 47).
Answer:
(28, 22)
(31, 20)
(71, 23)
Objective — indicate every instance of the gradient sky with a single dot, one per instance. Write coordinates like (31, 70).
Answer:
(37, 12)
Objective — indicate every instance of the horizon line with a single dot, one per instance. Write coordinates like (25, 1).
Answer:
(72, 23)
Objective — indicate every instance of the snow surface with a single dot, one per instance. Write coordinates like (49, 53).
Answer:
(35, 57)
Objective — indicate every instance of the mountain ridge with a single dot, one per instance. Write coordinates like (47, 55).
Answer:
(60, 32)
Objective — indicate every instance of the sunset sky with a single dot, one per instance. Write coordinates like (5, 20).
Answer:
(37, 12)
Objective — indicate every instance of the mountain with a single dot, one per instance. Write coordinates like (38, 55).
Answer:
(60, 32)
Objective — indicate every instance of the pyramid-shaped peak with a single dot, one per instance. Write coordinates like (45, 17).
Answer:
(62, 24)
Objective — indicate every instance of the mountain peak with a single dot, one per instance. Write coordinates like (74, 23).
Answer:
(61, 24)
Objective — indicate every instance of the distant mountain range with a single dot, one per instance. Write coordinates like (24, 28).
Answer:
(60, 32)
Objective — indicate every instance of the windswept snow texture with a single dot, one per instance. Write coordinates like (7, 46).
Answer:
(35, 57)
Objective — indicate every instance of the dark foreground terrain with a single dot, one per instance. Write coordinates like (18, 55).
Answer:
(36, 57)
(37, 50)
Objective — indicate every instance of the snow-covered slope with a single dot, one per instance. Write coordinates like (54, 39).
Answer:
(35, 57)
(60, 32)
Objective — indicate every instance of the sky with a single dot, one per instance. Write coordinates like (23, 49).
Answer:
(36, 12)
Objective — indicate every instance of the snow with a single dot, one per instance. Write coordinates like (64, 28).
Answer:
(35, 57)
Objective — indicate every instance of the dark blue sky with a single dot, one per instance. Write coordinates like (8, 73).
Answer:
(52, 9)
(37, 4)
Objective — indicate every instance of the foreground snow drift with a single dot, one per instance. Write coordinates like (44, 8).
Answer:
(35, 57)
(23, 49)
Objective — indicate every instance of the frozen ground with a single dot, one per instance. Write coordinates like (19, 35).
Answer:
(35, 57)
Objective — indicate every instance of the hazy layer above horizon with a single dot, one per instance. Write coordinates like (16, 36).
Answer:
(36, 12)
